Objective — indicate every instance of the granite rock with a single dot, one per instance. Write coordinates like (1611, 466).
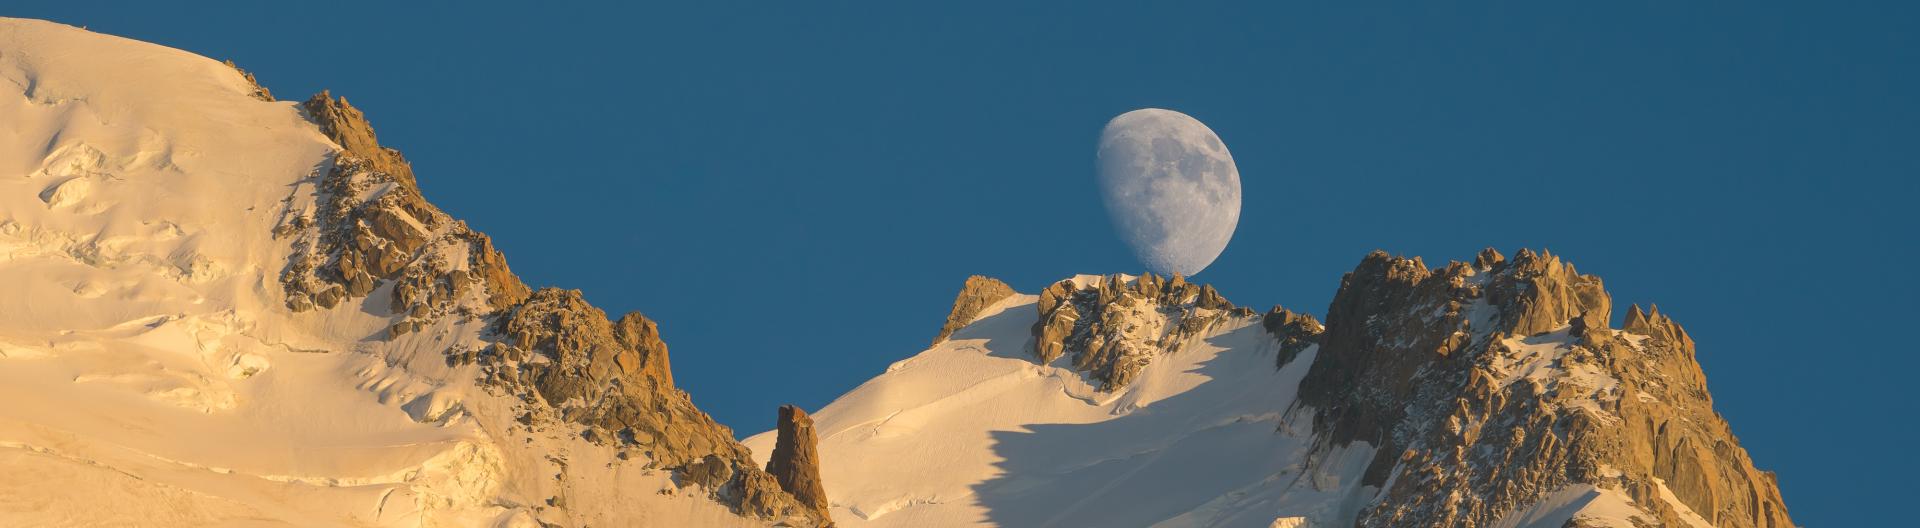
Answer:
(1500, 381)
(1113, 326)
(795, 463)
(976, 295)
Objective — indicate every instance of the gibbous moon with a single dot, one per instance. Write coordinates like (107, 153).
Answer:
(1170, 187)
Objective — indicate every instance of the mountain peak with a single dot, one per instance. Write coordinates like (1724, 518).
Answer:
(1114, 326)
(1294, 330)
(349, 128)
(1424, 365)
(1657, 325)
(1496, 380)
(977, 294)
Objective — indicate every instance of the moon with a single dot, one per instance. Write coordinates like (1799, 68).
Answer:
(1170, 187)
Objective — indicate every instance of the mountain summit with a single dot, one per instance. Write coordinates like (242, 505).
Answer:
(1490, 393)
(227, 309)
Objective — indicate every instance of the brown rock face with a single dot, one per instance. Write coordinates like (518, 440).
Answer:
(346, 126)
(1656, 325)
(504, 289)
(1058, 318)
(570, 364)
(1500, 382)
(598, 374)
(1295, 331)
(978, 294)
(795, 463)
(1115, 327)
(646, 354)
(369, 227)
(1544, 293)
(366, 229)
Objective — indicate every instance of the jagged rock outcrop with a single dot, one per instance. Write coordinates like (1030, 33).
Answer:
(1544, 293)
(366, 229)
(1295, 331)
(568, 363)
(369, 227)
(259, 92)
(346, 126)
(795, 463)
(649, 354)
(1058, 319)
(1114, 325)
(564, 351)
(978, 294)
(1654, 324)
(1500, 382)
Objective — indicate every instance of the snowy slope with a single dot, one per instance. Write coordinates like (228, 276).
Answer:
(150, 371)
(972, 431)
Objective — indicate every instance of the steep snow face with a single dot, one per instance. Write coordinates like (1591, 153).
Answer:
(150, 371)
(973, 432)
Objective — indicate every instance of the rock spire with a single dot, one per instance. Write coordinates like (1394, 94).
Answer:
(795, 463)
(976, 295)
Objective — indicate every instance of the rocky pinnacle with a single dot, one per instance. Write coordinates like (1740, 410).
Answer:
(979, 293)
(346, 126)
(796, 460)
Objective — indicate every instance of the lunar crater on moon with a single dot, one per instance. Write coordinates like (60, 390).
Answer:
(1170, 187)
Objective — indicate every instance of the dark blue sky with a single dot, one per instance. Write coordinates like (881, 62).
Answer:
(796, 191)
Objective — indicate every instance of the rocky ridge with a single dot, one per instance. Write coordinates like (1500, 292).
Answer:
(369, 233)
(368, 227)
(1112, 326)
(1500, 380)
(1295, 331)
(349, 128)
(259, 92)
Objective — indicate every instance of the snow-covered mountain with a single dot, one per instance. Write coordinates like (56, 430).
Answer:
(225, 310)
(977, 430)
(1482, 394)
(228, 310)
